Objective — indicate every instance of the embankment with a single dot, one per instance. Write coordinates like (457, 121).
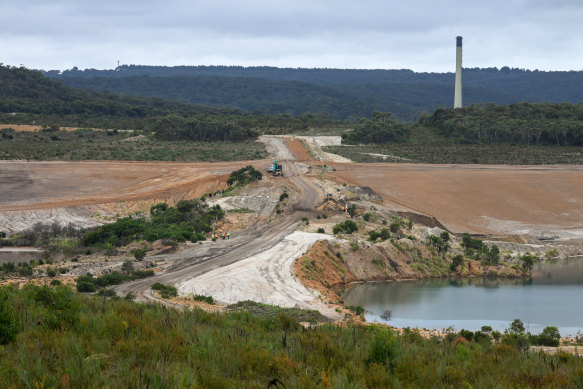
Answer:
(328, 266)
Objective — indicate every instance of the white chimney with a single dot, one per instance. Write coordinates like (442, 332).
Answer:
(457, 100)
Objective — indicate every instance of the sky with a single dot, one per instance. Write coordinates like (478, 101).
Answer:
(364, 34)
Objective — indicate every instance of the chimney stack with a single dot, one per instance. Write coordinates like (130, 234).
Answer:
(457, 100)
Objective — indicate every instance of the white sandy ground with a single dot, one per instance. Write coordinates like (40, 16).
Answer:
(538, 230)
(276, 146)
(265, 278)
(315, 144)
(16, 221)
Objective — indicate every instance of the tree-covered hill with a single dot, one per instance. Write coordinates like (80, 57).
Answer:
(342, 93)
(28, 97)
(523, 123)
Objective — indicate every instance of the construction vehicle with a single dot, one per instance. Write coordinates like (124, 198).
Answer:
(277, 169)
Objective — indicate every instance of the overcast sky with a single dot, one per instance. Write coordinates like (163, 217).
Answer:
(412, 34)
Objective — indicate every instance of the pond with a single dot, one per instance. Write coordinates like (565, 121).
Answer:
(551, 298)
(18, 254)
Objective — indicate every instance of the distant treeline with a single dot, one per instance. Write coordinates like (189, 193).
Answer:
(344, 94)
(523, 123)
(28, 97)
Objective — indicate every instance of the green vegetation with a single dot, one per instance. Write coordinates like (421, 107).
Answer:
(512, 134)
(523, 123)
(244, 176)
(339, 93)
(441, 152)
(189, 220)
(438, 242)
(380, 128)
(456, 262)
(206, 299)
(373, 236)
(139, 254)
(28, 97)
(166, 291)
(476, 249)
(83, 341)
(89, 284)
(87, 144)
(356, 309)
(348, 227)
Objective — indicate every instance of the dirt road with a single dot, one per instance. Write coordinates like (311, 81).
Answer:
(202, 259)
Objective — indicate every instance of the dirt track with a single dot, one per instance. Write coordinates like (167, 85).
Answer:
(255, 240)
(543, 200)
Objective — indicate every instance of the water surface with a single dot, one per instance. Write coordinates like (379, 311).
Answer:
(551, 298)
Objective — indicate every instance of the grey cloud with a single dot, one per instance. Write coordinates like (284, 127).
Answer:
(370, 33)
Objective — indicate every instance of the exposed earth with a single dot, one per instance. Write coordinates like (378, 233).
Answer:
(545, 201)
(257, 262)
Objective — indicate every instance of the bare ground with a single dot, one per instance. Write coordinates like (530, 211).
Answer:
(468, 198)
(546, 201)
(84, 193)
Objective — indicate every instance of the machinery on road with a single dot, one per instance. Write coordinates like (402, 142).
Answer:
(275, 169)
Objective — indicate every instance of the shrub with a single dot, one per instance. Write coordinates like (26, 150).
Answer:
(139, 254)
(356, 309)
(8, 325)
(8, 267)
(127, 267)
(373, 236)
(455, 263)
(395, 227)
(385, 234)
(283, 196)
(348, 226)
(56, 282)
(384, 349)
(25, 270)
(113, 278)
(107, 293)
(549, 337)
(321, 230)
(51, 272)
(206, 299)
(139, 274)
(85, 287)
(480, 337)
(166, 291)
(367, 216)
(470, 243)
(352, 210)
(527, 262)
(244, 176)
(469, 335)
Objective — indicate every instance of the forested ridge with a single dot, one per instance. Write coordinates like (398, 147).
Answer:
(345, 94)
(28, 97)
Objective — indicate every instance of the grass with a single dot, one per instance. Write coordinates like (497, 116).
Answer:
(447, 152)
(123, 146)
(64, 339)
